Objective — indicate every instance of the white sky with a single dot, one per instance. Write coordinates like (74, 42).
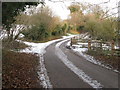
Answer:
(60, 8)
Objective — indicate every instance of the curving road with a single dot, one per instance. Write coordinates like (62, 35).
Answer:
(62, 76)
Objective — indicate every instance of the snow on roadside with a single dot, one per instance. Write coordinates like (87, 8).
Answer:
(42, 74)
(80, 51)
(39, 49)
(76, 70)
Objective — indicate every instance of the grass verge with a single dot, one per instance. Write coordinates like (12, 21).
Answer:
(19, 70)
(13, 45)
(105, 57)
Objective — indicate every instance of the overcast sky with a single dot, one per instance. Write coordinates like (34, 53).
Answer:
(60, 8)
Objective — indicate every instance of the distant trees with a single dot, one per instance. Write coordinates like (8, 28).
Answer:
(101, 29)
(76, 16)
(44, 25)
(92, 18)
(38, 25)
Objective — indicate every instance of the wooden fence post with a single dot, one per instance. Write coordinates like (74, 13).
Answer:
(89, 44)
(100, 44)
(112, 47)
(71, 42)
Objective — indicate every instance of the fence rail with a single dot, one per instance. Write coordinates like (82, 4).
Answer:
(92, 44)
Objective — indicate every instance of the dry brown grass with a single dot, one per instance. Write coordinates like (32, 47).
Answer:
(13, 45)
(20, 70)
(112, 60)
(74, 32)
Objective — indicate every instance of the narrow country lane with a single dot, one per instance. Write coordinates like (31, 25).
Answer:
(108, 78)
(59, 75)
(63, 77)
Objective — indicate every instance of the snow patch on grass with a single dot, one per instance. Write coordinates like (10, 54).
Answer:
(92, 59)
(80, 51)
(76, 70)
(40, 47)
(3, 34)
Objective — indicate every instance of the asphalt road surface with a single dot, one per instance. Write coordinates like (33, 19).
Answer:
(62, 77)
